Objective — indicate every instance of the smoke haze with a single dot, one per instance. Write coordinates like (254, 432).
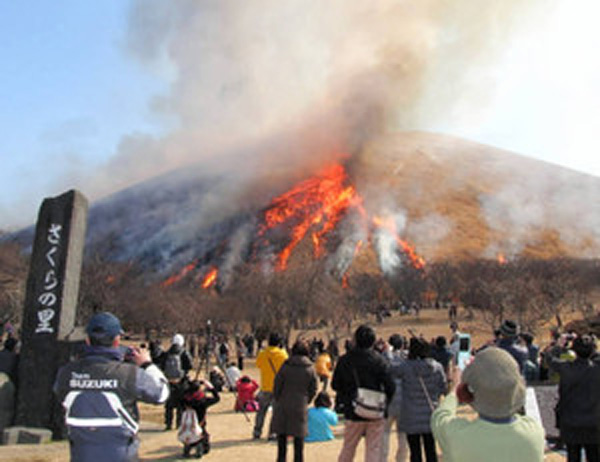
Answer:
(316, 78)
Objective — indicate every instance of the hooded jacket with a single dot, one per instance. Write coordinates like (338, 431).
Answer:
(268, 362)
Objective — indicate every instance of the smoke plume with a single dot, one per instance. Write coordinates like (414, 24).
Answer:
(289, 83)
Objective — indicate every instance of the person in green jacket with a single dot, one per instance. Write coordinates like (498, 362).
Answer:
(493, 386)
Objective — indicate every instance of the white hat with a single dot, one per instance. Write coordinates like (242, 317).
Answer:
(178, 340)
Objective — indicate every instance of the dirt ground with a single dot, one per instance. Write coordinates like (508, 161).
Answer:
(231, 432)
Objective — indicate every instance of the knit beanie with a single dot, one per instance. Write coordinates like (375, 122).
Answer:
(497, 386)
(509, 328)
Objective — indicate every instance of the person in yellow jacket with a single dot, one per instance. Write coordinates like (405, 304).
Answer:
(268, 361)
(324, 368)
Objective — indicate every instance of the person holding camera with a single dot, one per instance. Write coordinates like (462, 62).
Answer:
(493, 385)
(200, 395)
(423, 382)
(99, 393)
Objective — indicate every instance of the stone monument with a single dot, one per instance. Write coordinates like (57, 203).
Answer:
(50, 308)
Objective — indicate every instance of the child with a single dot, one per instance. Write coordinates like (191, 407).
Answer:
(246, 401)
(320, 419)
(197, 399)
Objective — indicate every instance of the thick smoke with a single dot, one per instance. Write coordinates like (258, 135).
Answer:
(526, 206)
(301, 80)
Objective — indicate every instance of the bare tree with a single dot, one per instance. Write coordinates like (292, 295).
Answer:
(13, 276)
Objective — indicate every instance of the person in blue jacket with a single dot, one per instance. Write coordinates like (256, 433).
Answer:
(320, 419)
(99, 393)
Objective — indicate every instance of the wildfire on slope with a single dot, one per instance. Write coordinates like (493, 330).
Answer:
(179, 276)
(389, 224)
(313, 207)
(317, 203)
(210, 279)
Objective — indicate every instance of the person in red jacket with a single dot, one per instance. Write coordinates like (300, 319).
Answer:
(246, 399)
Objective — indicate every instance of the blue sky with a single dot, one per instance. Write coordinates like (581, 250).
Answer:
(72, 93)
(69, 92)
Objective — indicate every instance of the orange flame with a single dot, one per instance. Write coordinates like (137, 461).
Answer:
(345, 284)
(317, 203)
(210, 279)
(179, 276)
(501, 259)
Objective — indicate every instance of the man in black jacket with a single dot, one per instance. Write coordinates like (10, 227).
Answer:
(363, 367)
(176, 362)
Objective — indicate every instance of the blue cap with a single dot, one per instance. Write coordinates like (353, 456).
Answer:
(104, 325)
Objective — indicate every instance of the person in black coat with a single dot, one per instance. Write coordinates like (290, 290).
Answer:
(362, 366)
(579, 400)
(176, 373)
(199, 397)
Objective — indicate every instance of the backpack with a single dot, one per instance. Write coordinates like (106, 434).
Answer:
(173, 368)
(251, 406)
(190, 431)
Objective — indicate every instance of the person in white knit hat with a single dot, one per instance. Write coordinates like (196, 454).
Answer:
(493, 386)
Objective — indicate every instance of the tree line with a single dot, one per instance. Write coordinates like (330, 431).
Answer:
(307, 295)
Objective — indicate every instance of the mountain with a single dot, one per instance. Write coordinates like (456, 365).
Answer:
(437, 196)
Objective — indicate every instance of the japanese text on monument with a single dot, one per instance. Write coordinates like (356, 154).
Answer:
(48, 297)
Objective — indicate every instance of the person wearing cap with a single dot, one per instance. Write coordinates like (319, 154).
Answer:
(492, 384)
(579, 400)
(509, 341)
(176, 362)
(99, 393)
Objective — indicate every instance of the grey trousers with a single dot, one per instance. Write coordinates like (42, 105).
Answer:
(265, 399)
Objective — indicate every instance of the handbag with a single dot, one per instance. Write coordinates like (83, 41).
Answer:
(190, 431)
(368, 404)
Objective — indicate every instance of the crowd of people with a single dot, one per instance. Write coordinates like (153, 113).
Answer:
(407, 386)
(420, 385)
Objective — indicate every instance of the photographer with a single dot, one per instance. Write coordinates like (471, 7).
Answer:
(492, 384)
(100, 392)
(200, 395)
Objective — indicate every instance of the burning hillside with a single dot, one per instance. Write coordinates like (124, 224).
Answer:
(402, 200)
(314, 207)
